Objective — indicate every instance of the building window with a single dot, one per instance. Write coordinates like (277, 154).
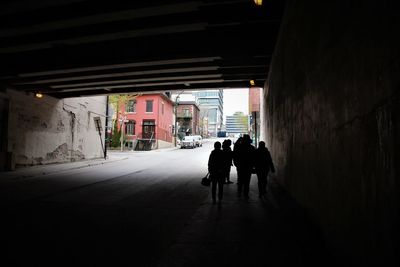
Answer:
(149, 105)
(186, 112)
(131, 106)
(162, 108)
(130, 128)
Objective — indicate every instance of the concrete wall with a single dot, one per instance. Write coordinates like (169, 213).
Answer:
(50, 130)
(333, 121)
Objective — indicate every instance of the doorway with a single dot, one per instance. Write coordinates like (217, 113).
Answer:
(148, 129)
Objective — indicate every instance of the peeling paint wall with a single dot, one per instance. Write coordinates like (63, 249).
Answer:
(50, 130)
(332, 122)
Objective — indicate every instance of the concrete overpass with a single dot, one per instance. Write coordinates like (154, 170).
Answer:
(75, 48)
(329, 72)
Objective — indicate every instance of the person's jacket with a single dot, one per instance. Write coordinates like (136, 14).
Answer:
(216, 162)
(263, 160)
(243, 157)
(228, 155)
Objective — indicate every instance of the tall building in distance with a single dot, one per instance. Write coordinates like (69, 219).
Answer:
(236, 124)
(211, 104)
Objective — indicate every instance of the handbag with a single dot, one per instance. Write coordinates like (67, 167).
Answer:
(205, 180)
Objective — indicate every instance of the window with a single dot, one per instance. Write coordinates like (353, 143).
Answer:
(186, 112)
(162, 108)
(149, 122)
(131, 106)
(130, 128)
(209, 101)
(212, 115)
(149, 105)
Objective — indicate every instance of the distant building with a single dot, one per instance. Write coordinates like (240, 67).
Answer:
(237, 124)
(147, 121)
(188, 115)
(211, 107)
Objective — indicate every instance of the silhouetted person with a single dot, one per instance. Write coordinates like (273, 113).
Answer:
(228, 154)
(237, 143)
(216, 168)
(243, 159)
(263, 164)
(236, 146)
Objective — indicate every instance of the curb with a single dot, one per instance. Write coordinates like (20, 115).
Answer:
(90, 164)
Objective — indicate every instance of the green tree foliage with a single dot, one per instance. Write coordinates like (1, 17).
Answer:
(117, 102)
(116, 135)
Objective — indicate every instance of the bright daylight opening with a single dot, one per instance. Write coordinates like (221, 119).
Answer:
(169, 136)
(147, 121)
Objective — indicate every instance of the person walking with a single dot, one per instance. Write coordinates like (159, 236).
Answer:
(236, 146)
(263, 164)
(243, 159)
(216, 168)
(228, 154)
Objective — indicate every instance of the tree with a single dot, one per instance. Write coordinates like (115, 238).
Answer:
(117, 102)
(116, 135)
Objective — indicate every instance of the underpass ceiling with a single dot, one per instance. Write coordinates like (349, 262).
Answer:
(70, 48)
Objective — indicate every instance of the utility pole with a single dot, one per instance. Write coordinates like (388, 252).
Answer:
(255, 129)
(106, 135)
(176, 117)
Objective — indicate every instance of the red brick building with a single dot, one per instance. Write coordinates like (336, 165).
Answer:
(148, 121)
(188, 114)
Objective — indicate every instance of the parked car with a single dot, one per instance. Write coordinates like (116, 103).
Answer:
(188, 141)
(199, 140)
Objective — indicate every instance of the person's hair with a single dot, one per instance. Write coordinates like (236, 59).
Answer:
(261, 144)
(217, 145)
(246, 138)
(226, 143)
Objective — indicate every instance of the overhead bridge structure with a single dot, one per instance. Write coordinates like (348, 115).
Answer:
(77, 48)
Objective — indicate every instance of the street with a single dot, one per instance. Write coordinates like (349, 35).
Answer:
(147, 209)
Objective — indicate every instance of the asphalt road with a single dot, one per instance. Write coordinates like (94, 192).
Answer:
(148, 209)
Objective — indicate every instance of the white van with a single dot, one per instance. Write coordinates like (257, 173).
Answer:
(188, 141)
(199, 140)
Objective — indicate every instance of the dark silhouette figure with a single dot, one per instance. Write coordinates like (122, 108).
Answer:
(236, 146)
(216, 168)
(228, 154)
(243, 159)
(263, 164)
(237, 143)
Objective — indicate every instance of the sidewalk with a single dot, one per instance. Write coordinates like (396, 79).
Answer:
(33, 171)
(272, 231)
(126, 151)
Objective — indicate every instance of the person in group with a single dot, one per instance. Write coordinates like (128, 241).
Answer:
(243, 159)
(216, 168)
(236, 146)
(228, 154)
(263, 164)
